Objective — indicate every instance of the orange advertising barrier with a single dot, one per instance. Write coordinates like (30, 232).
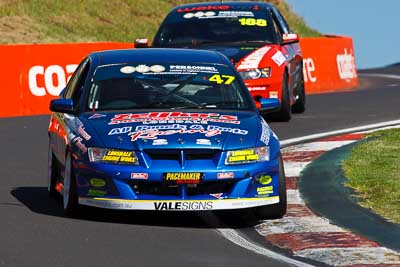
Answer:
(328, 64)
(32, 75)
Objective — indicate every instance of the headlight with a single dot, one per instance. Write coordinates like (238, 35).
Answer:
(256, 73)
(250, 155)
(112, 156)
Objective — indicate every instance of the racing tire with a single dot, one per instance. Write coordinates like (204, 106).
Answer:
(52, 172)
(70, 195)
(275, 211)
(300, 105)
(285, 113)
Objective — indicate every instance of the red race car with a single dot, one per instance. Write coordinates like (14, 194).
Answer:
(256, 39)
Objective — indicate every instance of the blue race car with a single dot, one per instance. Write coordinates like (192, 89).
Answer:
(165, 130)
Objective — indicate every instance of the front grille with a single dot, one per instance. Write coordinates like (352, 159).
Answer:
(163, 189)
(172, 154)
(210, 188)
(164, 154)
(154, 188)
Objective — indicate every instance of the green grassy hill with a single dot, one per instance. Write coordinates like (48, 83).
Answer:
(60, 21)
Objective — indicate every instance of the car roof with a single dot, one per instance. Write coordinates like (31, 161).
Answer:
(158, 55)
(233, 4)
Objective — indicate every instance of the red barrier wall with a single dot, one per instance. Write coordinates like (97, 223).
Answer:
(32, 75)
(328, 64)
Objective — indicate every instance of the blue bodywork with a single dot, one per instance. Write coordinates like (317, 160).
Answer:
(186, 141)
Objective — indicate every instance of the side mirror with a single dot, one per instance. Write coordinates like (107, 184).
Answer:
(62, 105)
(141, 43)
(270, 104)
(290, 38)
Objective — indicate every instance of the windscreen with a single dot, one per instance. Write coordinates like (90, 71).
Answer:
(189, 27)
(167, 86)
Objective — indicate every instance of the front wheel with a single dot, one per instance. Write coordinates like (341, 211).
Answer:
(285, 113)
(52, 172)
(300, 105)
(70, 196)
(275, 211)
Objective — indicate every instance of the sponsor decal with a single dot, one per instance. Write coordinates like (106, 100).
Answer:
(273, 94)
(172, 117)
(78, 142)
(55, 79)
(160, 142)
(203, 142)
(83, 133)
(253, 60)
(120, 156)
(96, 116)
(180, 205)
(193, 69)
(157, 68)
(142, 68)
(220, 14)
(346, 65)
(242, 155)
(217, 196)
(96, 193)
(97, 182)
(122, 130)
(152, 132)
(225, 175)
(265, 132)
(257, 88)
(200, 14)
(278, 58)
(235, 14)
(128, 69)
(289, 36)
(140, 175)
(203, 8)
(265, 179)
(265, 190)
(183, 177)
(309, 70)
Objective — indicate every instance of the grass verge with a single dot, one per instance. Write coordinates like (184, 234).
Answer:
(49, 21)
(373, 171)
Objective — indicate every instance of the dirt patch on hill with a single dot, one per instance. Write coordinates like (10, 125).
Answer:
(20, 29)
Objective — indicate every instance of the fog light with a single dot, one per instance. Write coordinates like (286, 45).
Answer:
(97, 182)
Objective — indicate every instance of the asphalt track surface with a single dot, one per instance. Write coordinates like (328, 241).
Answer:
(33, 231)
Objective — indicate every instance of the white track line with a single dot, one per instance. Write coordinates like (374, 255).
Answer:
(380, 75)
(240, 240)
(343, 131)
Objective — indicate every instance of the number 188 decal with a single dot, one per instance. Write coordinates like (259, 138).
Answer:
(253, 22)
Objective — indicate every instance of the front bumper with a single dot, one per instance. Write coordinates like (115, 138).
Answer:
(140, 188)
(178, 205)
(264, 88)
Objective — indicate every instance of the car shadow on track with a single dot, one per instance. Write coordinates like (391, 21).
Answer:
(38, 201)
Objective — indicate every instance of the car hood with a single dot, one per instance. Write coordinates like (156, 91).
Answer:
(175, 130)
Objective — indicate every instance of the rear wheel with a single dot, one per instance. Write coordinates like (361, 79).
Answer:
(70, 196)
(300, 105)
(52, 173)
(275, 211)
(285, 113)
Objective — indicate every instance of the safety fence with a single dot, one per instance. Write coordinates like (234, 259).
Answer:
(33, 74)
